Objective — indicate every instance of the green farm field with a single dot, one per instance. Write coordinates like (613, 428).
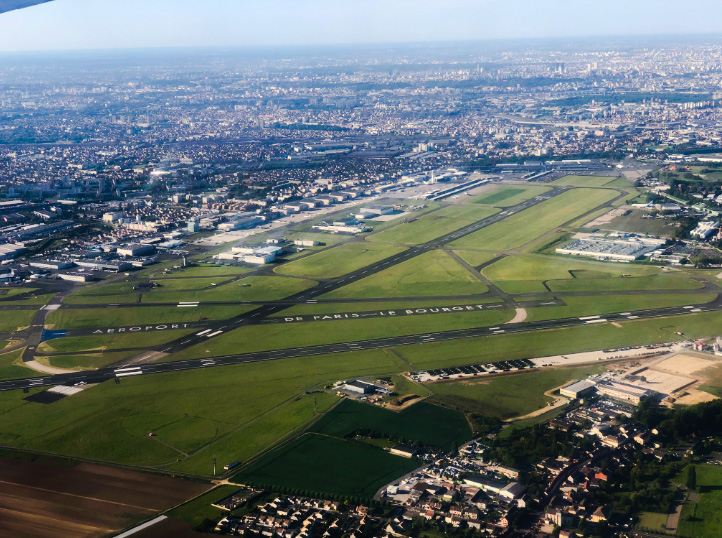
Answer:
(328, 465)
(524, 227)
(424, 423)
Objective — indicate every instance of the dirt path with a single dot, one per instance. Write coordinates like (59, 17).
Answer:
(38, 367)
(558, 402)
(673, 517)
(519, 316)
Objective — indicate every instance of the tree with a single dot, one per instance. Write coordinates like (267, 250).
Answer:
(692, 477)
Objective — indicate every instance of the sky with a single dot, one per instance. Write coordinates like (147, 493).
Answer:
(103, 24)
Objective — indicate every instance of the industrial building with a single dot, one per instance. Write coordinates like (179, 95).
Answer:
(114, 266)
(258, 255)
(360, 387)
(240, 221)
(135, 249)
(704, 230)
(373, 211)
(52, 264)
(77, 277)
(9, 251)
(618, 250)
(345, 226)
(623, 391)
(578, 389)
(306, 243)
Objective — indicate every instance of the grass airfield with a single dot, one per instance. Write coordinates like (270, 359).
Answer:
(239, 412)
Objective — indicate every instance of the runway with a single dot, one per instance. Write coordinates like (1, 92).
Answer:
(105, 374)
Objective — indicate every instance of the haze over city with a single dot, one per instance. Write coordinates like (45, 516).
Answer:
(99, 24)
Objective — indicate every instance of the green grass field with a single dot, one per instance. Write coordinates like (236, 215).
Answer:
(524, 227)
(526, 274)
(507, 396)
(328, 465)
(250, 288)
(339, 260)
(608, 304)
(556, 341)
(432, 273)
(404, 386)
(38, 300)
(475, 258)
(652, 521)
(12, 320)
(163, 285)
(11, 366)
(90, 361)
(424, 423)
(200, 509)
(652, 282)
(91, 318)
(703, 518)
(587, 181)
(299, 334)
(633, 222)
(336, 308)
(113, 341)
(205, 270)
(509, 196)
(231, 412)
(432, 225)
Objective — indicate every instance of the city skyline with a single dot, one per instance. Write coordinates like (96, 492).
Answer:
(82, 24)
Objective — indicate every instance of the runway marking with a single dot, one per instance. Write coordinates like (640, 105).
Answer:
(596, 321)
(213, 334)
(203, 332)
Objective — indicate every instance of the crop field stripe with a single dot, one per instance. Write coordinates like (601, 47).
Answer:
(65, 493)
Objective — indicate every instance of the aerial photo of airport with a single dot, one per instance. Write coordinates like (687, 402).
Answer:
(465, 288)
